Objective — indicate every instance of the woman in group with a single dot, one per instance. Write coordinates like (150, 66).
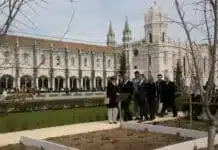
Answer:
(151, 93)
(112, 92)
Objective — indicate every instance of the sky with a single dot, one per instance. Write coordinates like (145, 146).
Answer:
(91, 19)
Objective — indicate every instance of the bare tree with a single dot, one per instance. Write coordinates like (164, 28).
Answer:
(208, 25)
(11, 9)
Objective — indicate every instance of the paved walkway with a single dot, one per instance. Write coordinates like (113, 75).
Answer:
(14, 137)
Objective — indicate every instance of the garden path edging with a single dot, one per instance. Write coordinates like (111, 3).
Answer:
(189, 145)
(27, 141)
(200, 137)
(167, 130)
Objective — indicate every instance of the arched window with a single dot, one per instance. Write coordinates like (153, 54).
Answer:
(26, 58)
(42, 59)
(150, 38)
(205, 59)
(58, 60)
(85, 61)
(149, 60)
(6, 55)
(109, 63)
(163, 37)
(135, 52)
(165, 57)
(184, 66)
(72, 61)
(98, 62)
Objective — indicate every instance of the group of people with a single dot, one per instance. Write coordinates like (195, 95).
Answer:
(148, 97)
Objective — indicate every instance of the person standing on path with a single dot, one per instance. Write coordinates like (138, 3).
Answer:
(143, 103)
(136, 96)
(159, 87)
(151, 93)
(169, 95)
(125, 92)
(112, 91)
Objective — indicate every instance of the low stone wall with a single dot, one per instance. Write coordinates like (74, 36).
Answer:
(200, 137)
(166, 130)
(189, 145)
(44, 144)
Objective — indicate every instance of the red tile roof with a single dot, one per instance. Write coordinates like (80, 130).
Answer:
(25, 41)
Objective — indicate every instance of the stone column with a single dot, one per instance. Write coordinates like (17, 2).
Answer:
(37, 82)
(43, 79)
(115, 63)
(17, 64)
(53, 83)
(104, 70)
(51, 71)
(66, 67)
(35, 66)
(93, 69)
(6, 82)
(79, 68)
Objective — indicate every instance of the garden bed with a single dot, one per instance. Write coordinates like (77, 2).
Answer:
(121, 139)
(185, 123)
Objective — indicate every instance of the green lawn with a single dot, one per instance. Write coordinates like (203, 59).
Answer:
(33, 120)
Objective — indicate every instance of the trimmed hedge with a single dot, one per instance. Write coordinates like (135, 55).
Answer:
(197, 108)
(36, 105)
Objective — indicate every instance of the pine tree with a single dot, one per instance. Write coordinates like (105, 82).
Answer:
(123, 67)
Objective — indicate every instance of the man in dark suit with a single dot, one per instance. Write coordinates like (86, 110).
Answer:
(159, 86)
(169, 95)
(126, 89)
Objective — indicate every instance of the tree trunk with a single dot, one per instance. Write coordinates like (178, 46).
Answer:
(211, 137)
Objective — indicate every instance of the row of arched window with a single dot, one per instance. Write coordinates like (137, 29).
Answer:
(85, 61)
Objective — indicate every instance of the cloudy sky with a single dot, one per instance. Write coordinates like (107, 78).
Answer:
(90, 23)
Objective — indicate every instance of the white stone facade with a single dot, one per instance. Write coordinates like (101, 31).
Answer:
(46, 65)
(57, 65)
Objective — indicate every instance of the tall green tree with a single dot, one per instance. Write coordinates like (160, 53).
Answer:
(179, 78)
(123, 67)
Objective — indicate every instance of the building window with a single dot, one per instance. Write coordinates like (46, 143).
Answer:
(98, 62)
(184, 66)
(42, 59)
(109, 63)
(204, 61)
(72, 61)
(165, 58)
(163, 37)
(6, 55)
(58, 60)
(149, 60)
(150, 38)
(26, 58)
(135, 52)
(85, 62)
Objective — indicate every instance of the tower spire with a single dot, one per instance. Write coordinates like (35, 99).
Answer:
(110, 36)
(110, 28)
(126, 29)
(126, 33)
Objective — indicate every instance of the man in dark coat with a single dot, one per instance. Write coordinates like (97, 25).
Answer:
(126, 88)
(151, 93)
(142, 100)
(169, 91)
(136, 97)
(159, 86)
